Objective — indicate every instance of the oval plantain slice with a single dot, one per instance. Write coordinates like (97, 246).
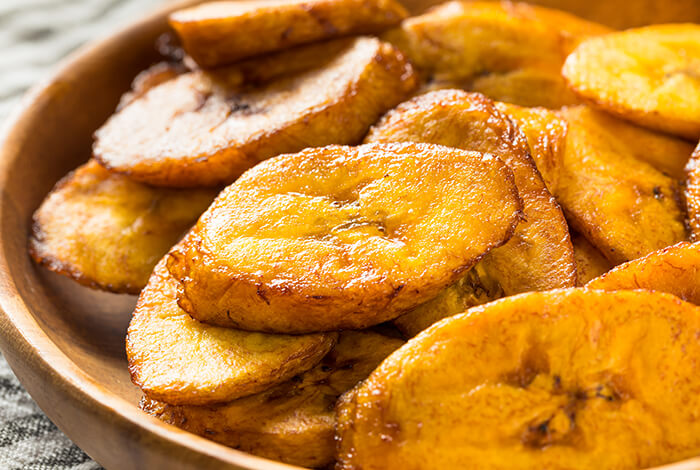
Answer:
(292, 422)
(223, 32)
(500, 47)
(674, 270)
(344, 237)
(565, 379)
(621, 204)
(590, 263)
(649, 75)
(108, 232)
(692, 193)
(200, 129)
(178, 360)
(539, 256)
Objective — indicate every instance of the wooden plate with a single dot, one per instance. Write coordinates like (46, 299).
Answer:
(66, 342)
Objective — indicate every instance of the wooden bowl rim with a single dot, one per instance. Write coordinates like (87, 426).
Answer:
(20, 332)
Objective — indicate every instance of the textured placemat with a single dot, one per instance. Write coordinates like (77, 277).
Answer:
(34, 35)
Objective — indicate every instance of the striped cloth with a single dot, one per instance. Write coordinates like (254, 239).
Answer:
(34, 35)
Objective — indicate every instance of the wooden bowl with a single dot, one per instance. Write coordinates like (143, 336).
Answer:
(66, 342)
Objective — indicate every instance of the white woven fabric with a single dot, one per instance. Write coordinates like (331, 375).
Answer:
(34, 35)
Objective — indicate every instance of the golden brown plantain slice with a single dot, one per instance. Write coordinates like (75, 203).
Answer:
(545, 131)
(108, 232)
(622, 205)
(344, 237)
(565, 379)
(219, 33)
(178, 360)
(692, 193)
(200, 129)
(590, 263)
(539, 256)
(292, 422)
(650, 76)
(674, 270)
(508, 49)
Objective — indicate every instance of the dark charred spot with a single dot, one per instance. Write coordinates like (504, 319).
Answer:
(285, 34)
(261, 293)
(534, 362)
(557, 383)
(658, 194)
(325, 368)
(296, 378)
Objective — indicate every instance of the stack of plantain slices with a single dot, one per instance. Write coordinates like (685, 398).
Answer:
(461, 239)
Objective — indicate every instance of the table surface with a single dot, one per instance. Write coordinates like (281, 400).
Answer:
(34, 36)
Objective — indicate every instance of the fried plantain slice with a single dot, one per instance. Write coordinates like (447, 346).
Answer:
(565, 379)
(539, 256)
(108, 232)
(178, 360)
(622, 205)
(220, 33)
(545, 131)
(590, 263)
(507, 49)
(344, 237)
(692, 193)
(674, 270)
(292, 422)
(200, 129)
(650, 76)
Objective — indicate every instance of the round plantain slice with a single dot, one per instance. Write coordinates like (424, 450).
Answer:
(178, 360)
(292, 422)
(674, 270)
(108, 232)
(220, 33)
(590, 263)
(621, 204)
(649, 75)
(565, 379)
(204, 129)
(692, 193)
(344, 237)
(505, 48)
(539, 256)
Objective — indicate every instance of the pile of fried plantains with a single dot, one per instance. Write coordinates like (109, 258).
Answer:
(370, 240)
